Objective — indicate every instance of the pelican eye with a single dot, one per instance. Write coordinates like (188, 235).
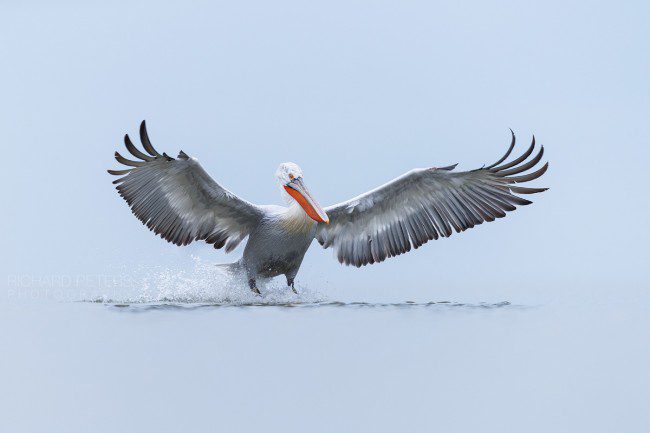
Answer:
(291, 176)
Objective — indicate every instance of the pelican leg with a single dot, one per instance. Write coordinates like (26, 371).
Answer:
(290, 284)
(253, 286)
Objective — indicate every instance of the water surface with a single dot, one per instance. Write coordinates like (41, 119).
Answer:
(322, 365)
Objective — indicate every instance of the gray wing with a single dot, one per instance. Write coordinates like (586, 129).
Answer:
(425, 204)
(179, 201)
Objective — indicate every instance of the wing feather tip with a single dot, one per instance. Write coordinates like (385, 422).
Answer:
(508, 152)
(449, 167)
(146, 143)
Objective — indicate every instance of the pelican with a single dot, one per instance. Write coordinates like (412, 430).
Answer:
(177, 199)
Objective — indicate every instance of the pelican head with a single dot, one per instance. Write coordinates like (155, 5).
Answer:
(289, 176)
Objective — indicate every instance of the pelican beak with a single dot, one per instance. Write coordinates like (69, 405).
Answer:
(297, 189)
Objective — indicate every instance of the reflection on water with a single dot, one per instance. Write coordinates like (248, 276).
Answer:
(152, 306)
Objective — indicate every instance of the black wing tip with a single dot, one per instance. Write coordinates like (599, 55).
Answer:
(526, 190)
(143, 128)
(507, 170)
(518, 160)
(142, 158)
(530, 176)
(514, 167)
(118, 172)
(134, 150)
(449, 167)
(146, 142)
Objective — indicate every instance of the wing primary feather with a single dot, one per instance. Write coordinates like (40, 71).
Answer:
(220, 243)
(392, 242)
(503, 158)
(446, 227)
(119, 172)
(390, 237)
(437, 220)
(454, 212)
(374, 249)
(134, 150)
(506, 196)
(396, 234)
(514, 162)
(495, 211)
(432, 222)
(420, 231)
(447, 168)
(405, 236)
(524, 190)
(232, 243)
(484, 213)
(146, 143)
(448, 216)
(128, 162)
(528, 177)
(471, 219)
(411, 232)
(425, 220)
(381, 247)
(501, 201)
(397, 231)
(523, 167)
(469, 212)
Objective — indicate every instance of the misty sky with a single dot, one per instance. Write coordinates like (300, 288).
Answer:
(356, 93)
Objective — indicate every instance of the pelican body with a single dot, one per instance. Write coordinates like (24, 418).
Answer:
(278, 245)
(178, 200)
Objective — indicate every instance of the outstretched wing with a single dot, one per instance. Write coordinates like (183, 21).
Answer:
(425, 204)
(179, 201)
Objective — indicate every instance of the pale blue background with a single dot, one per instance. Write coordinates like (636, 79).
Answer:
(356, 93)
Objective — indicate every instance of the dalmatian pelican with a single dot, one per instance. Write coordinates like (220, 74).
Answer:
(177, 199)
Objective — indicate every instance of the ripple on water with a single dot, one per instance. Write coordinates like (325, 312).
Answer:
(154, 306)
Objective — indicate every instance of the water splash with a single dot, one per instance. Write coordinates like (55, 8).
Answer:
(204, 283)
